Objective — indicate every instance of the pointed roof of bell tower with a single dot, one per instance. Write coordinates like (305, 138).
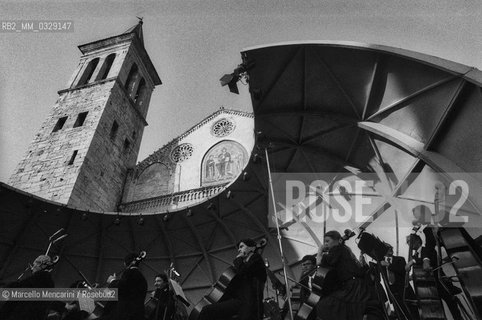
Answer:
(137, 29)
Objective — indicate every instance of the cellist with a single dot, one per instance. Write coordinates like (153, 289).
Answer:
(348, 300)
(244, 295)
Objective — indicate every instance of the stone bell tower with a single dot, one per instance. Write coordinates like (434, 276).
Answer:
(83, 151)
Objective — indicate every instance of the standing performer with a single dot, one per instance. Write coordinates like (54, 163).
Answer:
(394, 268)
(244, 295)
(31, 310)
(377, 297)
(348, 299)
(164, 301)
(132, 289)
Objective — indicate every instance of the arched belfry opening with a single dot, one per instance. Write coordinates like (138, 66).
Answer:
(89, 72)
(106, 67)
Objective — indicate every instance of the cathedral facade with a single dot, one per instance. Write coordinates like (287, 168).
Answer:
(85, 153)
(193, 167)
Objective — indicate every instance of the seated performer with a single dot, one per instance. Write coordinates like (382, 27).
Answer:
(348, 299)
(308, 269)
(244, 295)
(164, 306)
(31, 310)
(429, 259)
(132, 289)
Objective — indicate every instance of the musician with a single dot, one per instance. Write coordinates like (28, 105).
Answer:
(72, 308)
(308, 269)
(428, 256)
(307, 280)
(132, 289)
(394, 268)
(164, 299)
(31, 310)
(244, 295)
(348, 299)
(377, 296)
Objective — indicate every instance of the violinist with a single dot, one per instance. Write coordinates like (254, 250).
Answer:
(349, 298)
(132, 289)
(40, 278)
(244, 295)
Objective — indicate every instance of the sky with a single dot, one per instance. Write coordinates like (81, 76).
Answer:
(193, 43)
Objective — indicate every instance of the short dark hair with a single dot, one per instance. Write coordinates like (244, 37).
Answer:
(129, 258)
(163, 276)
(310, 258)
(249, 242)
(425, 213)
(414, 238)
(335, 235)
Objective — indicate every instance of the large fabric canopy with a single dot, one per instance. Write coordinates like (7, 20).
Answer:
(353, 111)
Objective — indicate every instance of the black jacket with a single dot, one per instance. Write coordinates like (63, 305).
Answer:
(31, 310)
(132, 289)
(248, 285)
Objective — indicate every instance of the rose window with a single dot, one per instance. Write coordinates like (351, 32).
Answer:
(222, 128)
(182, 152)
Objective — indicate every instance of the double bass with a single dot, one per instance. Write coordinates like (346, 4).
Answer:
(100, 308)
(220, 287)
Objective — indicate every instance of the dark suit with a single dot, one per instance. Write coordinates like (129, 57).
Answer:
(305, 290)
(305, 286)
(165, 303)
(132, 289)
(244, 295)
(376, 293)
(31, 310)
(397, 273)
(349, 298)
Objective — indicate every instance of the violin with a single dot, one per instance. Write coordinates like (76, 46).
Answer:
(220, 287)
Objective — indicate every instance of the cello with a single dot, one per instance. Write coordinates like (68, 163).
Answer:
(326, 280)
(220, 287)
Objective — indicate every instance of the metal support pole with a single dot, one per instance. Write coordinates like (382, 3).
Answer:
(283, 262)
